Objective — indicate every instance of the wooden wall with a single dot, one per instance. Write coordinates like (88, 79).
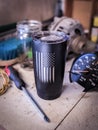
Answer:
(83, 10)
(16, 10)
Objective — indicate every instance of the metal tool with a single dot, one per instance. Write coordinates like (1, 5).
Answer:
(84, 71)
(20, 84)
(78, 42)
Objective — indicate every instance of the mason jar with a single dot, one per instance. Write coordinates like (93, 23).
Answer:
(25, 31)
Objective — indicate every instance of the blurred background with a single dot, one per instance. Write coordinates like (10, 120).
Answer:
(74, 17)
(86, 11)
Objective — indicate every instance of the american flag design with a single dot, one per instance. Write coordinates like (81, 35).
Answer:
(45, 67)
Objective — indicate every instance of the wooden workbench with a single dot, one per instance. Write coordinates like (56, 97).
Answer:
(73, 110)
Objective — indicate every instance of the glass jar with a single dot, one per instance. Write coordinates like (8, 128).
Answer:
(25, 31)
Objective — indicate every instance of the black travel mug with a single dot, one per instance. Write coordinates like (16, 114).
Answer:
(49, 51)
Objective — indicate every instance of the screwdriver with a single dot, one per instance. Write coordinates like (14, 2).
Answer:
(20, 84)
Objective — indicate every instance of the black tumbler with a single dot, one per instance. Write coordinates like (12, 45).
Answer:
(49, 51)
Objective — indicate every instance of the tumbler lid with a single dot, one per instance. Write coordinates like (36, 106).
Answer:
(51, 37)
